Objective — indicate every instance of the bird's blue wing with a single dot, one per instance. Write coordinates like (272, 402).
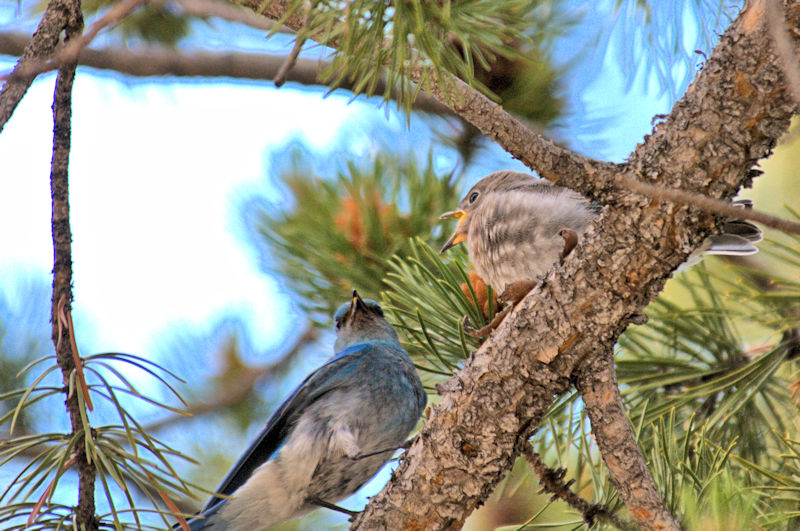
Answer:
(323, 380)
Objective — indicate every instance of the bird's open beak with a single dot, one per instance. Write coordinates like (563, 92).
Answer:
(460, 234)
(356, 305)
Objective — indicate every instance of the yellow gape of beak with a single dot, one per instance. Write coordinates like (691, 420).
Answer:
(460, 234)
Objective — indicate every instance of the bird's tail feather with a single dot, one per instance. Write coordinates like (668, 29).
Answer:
(738, 236)
(731, 244)
(209, 522)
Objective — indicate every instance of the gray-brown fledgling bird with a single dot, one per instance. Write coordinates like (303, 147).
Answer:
(517, 226)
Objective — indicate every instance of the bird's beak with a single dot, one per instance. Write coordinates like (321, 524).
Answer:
(460, 234)
(356, 305)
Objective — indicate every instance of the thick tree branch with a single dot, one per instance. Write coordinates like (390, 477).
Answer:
(63, 336)
(783, 42)
(730, 117)
(596, 380)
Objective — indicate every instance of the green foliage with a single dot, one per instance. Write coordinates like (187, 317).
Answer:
(449, 37)
(24, 337)
(693, 360)
(425, 301)
(779, 487)
(532, 93)
(127, 459)
(694, 475)
(340, 232)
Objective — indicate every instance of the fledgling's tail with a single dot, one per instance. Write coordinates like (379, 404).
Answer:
(737, 236)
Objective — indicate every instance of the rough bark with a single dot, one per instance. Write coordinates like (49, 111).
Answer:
(41, 46)
(62, 266)
(730, 117)
(597, 383)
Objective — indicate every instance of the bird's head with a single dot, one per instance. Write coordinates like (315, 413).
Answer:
(361, 320)
(499, 181)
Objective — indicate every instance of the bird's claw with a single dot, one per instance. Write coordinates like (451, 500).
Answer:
(333, 507)
(404, 446)
(475, 332)
(489, 328)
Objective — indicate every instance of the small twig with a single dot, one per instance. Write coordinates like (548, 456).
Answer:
(405, 446)
(289, 62)
(291, 59)
(489, 327)
(783, 44)
(333, 507)
(707, 204)
(85, 515)
(69, 52)
(552, 481)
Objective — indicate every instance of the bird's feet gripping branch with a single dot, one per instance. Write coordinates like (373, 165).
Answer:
(517, 290)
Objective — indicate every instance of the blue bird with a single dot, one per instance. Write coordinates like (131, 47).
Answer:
(331, 435)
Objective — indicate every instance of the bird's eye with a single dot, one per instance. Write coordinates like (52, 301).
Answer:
(472, 197)
(379, 311)
(338, 325)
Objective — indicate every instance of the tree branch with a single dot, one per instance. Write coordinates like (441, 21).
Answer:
(783, 42)
(707, 204)
(41, 46)
(63, 336)
(163, 61)
(551, 161)
(596, 380)
(730, 117)
(68, 54)
(229, 12)
(552, 482)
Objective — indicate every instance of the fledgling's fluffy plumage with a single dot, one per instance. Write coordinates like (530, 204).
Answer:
(368, 397)
(511, 223)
